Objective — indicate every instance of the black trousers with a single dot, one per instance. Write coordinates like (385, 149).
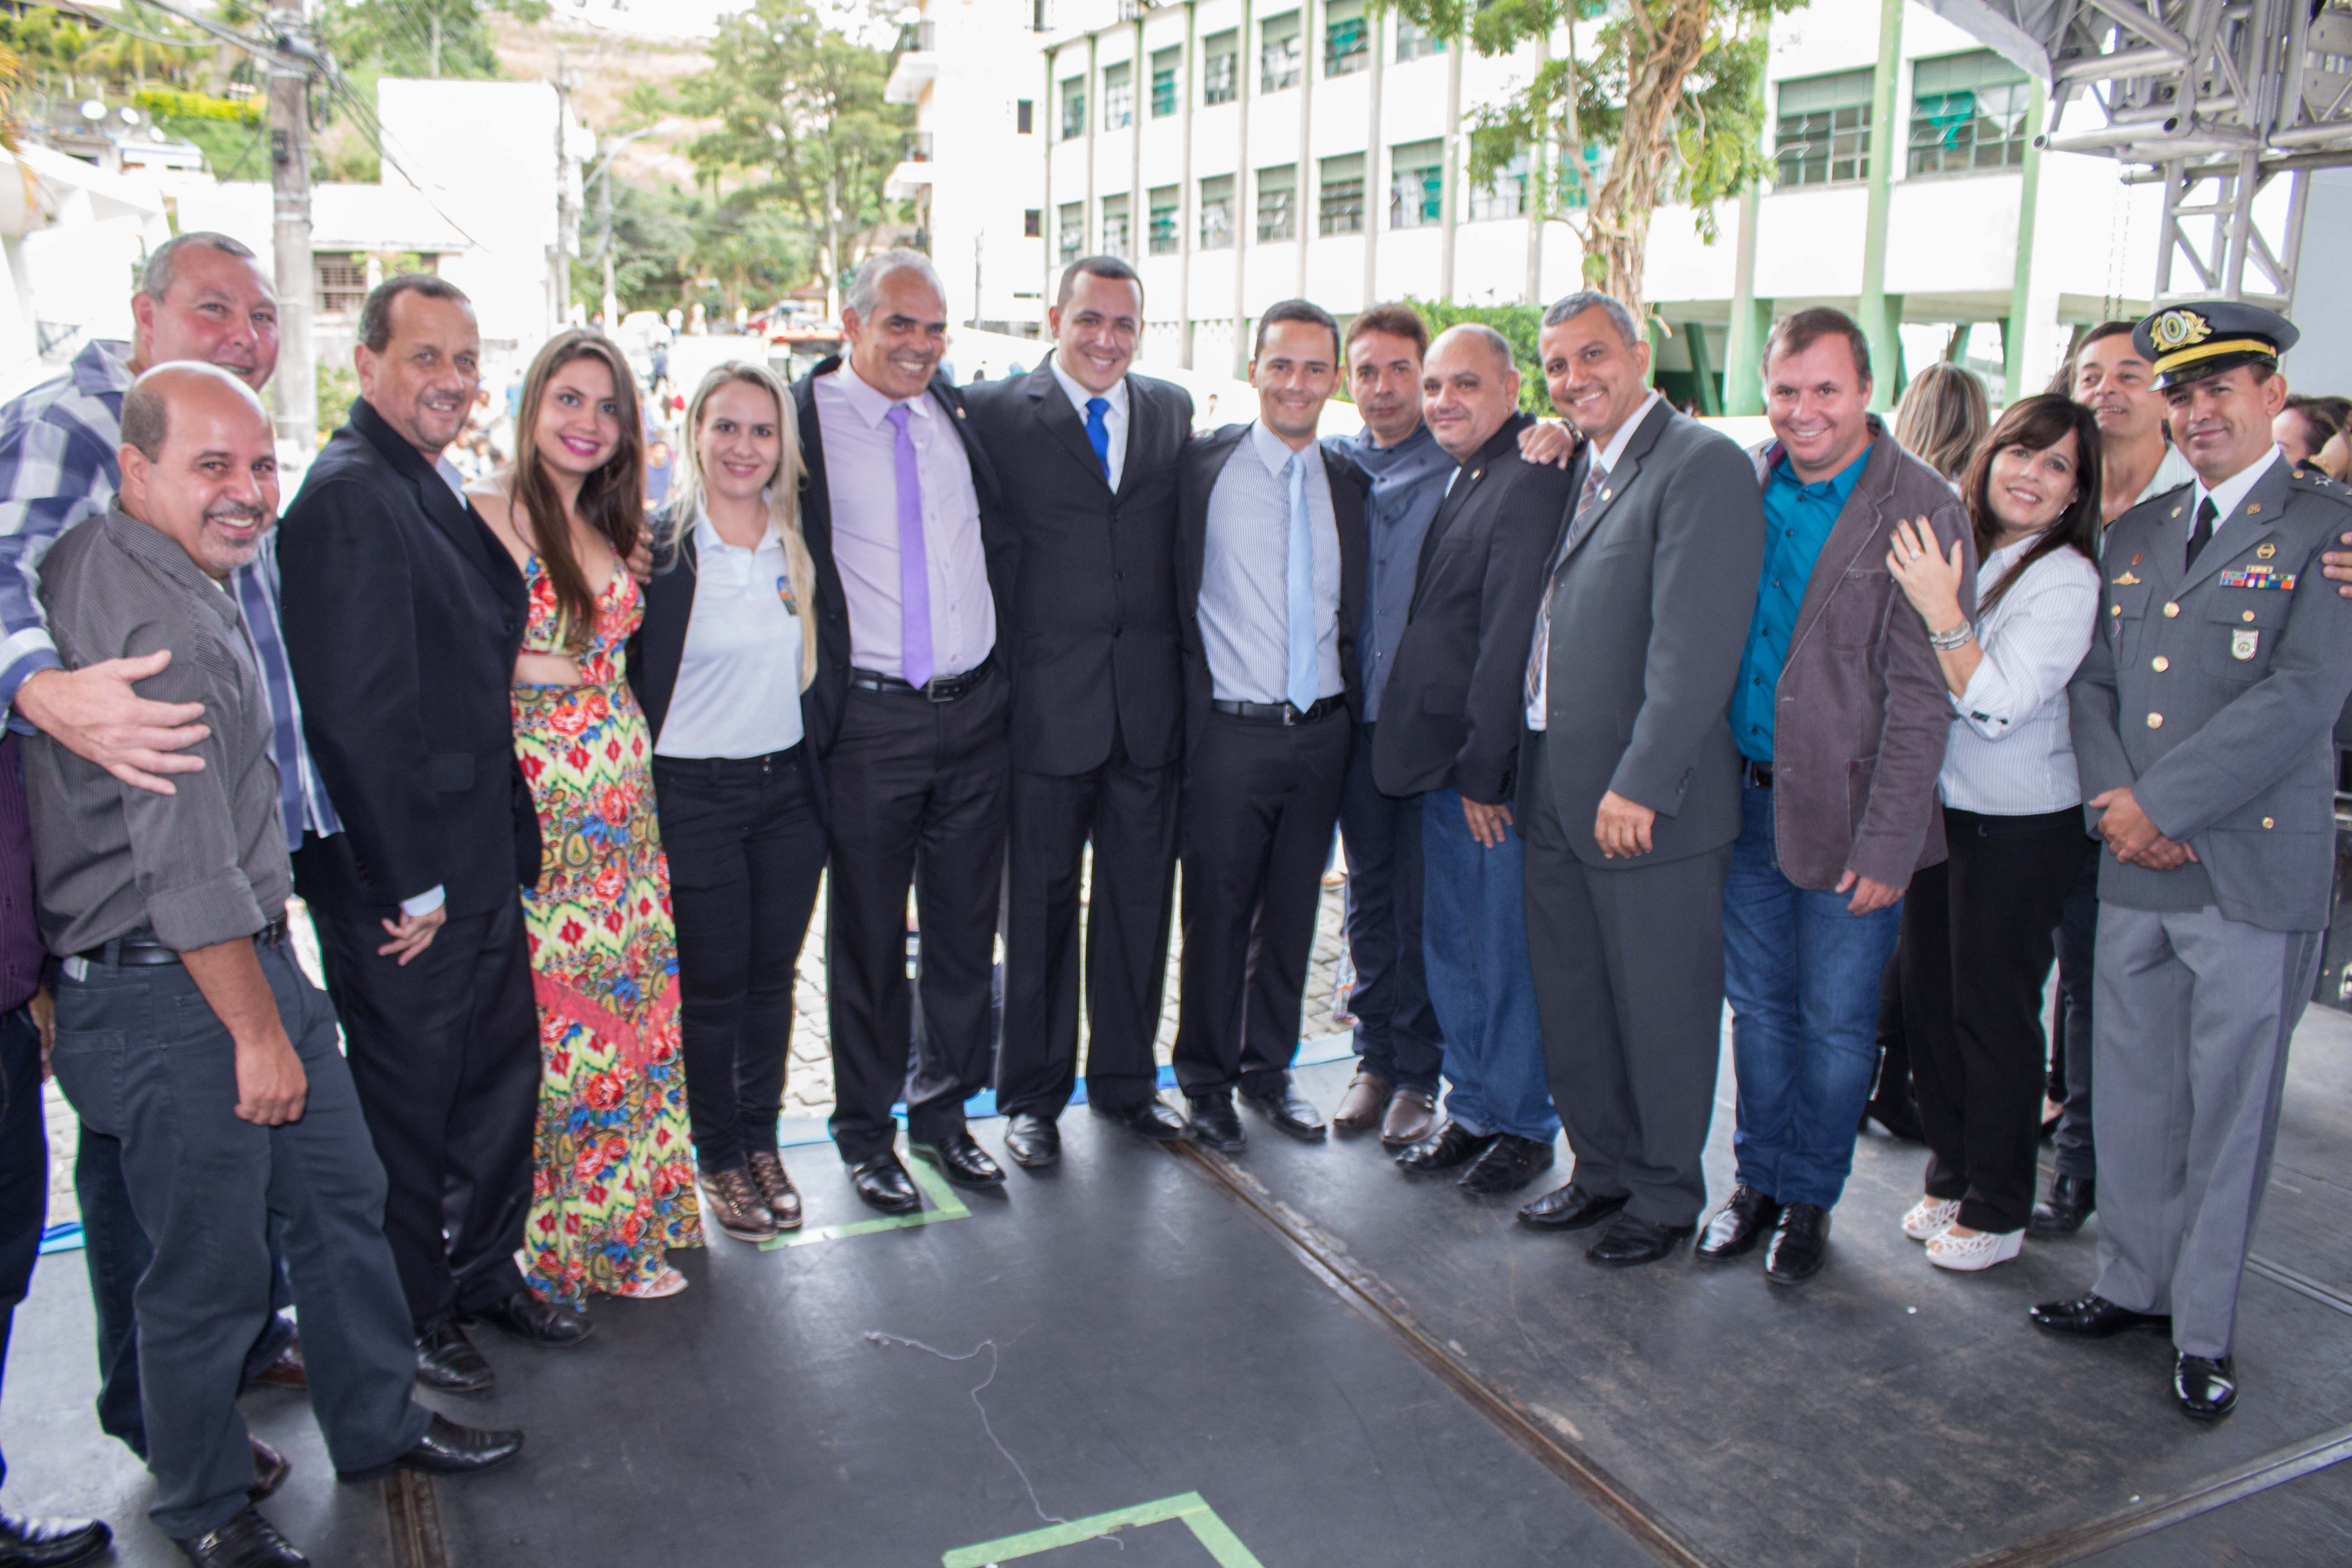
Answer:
(918, 792)
(445, 1053)
(2077, 1150)
(746, 852)
(1260, 801)
(23, 1169)
(1128, 814)
(1397, 1033)
(1975, 951)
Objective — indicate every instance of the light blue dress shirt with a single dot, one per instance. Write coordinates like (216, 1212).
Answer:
(1245, 619)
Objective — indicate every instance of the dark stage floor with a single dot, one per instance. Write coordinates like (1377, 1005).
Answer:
(1298, 1358)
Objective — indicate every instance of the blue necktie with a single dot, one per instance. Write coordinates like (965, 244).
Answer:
(1099, 433)
(1299, 593)
(255, 598)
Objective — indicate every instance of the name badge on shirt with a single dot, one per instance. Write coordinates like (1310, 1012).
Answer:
(784, 592)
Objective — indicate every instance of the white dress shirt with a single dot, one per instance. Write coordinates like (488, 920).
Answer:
(861, 478)
(1114, 416)
(2228, 496)
(2013, 752)
(2170, 475)
(1244, 607)
(739, 677)
(1603, 461)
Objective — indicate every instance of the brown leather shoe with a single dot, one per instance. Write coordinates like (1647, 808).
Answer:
(731, 1203)
(285, 1371)
(776, 1188)
(1361, 1108)
(1412, 1117)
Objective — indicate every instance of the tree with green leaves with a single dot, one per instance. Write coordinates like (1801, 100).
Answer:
(420, 37)
(1672, 90)
(802, 125)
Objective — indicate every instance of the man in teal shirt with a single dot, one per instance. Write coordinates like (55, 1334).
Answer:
(1798, 518)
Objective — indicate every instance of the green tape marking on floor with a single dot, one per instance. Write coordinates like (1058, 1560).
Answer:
(943, 1204)
(1190, 1507)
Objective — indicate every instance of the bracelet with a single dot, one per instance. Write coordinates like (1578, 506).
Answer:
(1945, 642)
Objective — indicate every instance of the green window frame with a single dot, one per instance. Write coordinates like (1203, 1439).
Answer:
(1822, 134)
(1347, 38)
(1413, 42)
(1116, 231)
(1278, 51)
(1339, 195)
(1221, 66)
(1167, 91)
(1277, 202)
(1070, 233)
(1119, 96)
(1167, 231)
(1217, 213)
(1969, 113)
(1417, 185)
(1073, 108)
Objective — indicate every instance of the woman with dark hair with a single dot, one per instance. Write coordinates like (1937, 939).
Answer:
(1942, 418)
(1976, 930)
(613, 1183)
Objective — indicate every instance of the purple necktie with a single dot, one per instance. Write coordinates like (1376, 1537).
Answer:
(914, 575)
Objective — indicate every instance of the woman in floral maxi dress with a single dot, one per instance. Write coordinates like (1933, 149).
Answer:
(613, 1180)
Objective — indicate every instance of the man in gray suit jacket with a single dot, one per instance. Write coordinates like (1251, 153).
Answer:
(2203, 721)
(1629, 784)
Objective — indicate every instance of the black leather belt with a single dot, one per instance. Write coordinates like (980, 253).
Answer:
(939, 689)
(1276, 712)
(141, 948)
(1755, 773)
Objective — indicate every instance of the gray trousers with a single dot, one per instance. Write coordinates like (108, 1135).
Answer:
(2191, 1019)
(143, 1059)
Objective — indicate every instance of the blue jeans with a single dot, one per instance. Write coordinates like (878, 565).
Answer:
(1803, 977)
(1474, 936)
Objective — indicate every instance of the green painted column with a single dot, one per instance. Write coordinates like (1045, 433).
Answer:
(1879, 315)
(1751, 320)
(2013, 333)
(1710, 398)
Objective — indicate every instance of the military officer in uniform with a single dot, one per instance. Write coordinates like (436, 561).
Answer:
(2202, 720)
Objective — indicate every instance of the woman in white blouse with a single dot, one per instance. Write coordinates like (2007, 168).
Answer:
(721, 666)
(1977, 946)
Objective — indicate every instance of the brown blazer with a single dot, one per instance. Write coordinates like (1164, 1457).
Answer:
(1860, 716)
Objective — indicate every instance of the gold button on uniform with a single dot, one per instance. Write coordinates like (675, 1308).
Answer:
(2155, 720)
(2248, 616)
(2267, 823)
(2160, 663)
(2170, 611)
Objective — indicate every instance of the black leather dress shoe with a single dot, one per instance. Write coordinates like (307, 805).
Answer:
(50, 1542)
(1747, 1218)
(2070, 1203)
(1800, 1243)
(446, 1359)
(449, 1449)
(1509, 1163)
(1152, 1119)
(1570, 1208)
(1213, 1122)
(270, 1467)
(523, 1316)
(2208, 1390)
(961, 1160)
(246, 1540)
(1450, 1146)
(2093, 1317)
(1035, 1142)
(1290, 1111)
(1630, 1241)
(883, 1183)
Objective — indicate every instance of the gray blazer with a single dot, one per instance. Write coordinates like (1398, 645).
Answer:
(1651, 597)
(1862, 715)
(2212, 693)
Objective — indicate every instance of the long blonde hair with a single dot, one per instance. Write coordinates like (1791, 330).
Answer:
(783, 491)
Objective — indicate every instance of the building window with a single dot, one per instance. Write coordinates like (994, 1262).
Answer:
(1166, 237)
(1347, 38)
(1166, 90)
(1416, 184)
(1115, 229)
(1339, 206)
(1119, 96)
(1277, 54)
(1220, 67)
(1032, 223)
(1277, 202)
(1823, 136)
(1579, 177)
(1968, 111)
(1073, 108)
(1072, 233)
(1412, 42)
(343, 282)
(1217, 213)
(1024, 117)
(1504, 195)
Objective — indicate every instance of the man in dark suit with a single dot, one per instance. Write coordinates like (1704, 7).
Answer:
(1097, 711)
(901, 502)
(403, 614)
(1270, 563)
(1452, 737)
(1629, 793)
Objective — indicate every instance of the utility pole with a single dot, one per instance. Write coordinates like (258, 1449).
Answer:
(295, 389)
(567, 222)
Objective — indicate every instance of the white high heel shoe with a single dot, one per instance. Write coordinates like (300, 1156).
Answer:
(1970, 1253)
(1928, 1217)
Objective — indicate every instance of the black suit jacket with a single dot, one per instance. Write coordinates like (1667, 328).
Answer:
(1092, 642)
(403, 616)
(660, 643)
(1455, 700)
(1203, 459)
(998, 542)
